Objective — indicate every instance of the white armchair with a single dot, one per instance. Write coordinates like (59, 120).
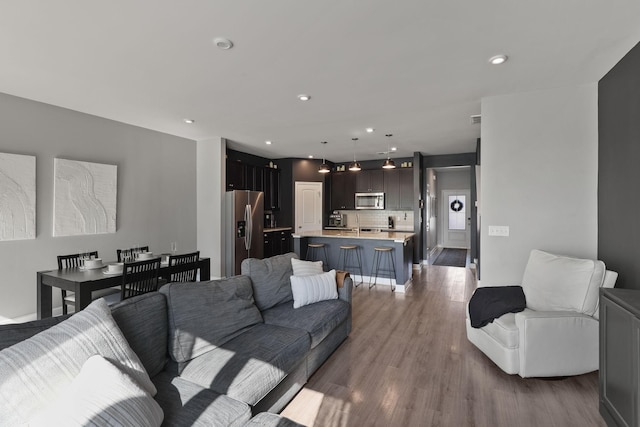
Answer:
(557, 334)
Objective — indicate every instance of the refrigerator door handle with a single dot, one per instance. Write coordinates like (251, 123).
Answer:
(249, 222)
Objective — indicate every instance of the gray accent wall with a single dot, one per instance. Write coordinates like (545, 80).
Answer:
(156, 190)
(619, 171)
(539, 176)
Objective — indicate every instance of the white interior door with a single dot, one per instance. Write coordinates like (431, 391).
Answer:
(308, 204)
(456, 215)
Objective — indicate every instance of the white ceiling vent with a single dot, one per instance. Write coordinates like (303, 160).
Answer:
(475, 120)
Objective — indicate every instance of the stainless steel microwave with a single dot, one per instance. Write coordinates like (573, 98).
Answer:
(369, 200)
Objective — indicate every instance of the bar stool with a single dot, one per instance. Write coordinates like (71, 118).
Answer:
(343, 257)
(378, 252)
(313, 248)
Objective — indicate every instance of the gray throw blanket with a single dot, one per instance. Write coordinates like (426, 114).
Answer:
(489, 303)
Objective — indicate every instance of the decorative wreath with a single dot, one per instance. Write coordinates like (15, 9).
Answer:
(456, 205)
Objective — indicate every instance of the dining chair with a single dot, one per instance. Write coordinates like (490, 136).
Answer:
(128, 255)
(190, 263)
(74, 261)
(140, 277)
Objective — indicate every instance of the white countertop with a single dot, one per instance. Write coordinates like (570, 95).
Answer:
(271, 230)
(396, 236)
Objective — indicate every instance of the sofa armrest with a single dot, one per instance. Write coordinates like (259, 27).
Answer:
(345, 292)
(557, 343)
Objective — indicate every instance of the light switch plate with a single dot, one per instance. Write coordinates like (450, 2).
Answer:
(499, 230)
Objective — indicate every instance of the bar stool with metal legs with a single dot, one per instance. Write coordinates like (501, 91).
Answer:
(343, 258)
(313, 248)
(378, 252)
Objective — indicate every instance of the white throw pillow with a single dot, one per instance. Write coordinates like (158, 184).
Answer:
(306, 268)
(559, 283)
(309, 289)
(34, 371)
(101, 395)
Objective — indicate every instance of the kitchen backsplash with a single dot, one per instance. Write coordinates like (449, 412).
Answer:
(379, 219)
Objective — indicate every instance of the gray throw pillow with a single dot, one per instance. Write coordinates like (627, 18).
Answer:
(270, 279)
(205, 315)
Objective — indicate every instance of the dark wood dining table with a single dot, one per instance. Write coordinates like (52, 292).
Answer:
(84, 281)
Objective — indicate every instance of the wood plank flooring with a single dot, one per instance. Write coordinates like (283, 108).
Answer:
(407, 362)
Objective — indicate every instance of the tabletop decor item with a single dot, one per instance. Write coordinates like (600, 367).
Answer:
(84, 198)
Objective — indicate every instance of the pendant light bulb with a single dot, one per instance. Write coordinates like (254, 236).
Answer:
(324, 167)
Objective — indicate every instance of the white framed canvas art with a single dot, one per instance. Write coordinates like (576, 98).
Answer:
(84, 198)
(17, 197)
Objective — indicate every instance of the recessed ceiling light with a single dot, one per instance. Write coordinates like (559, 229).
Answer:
(303, 97)
(268, 142)
(311, 156)
(394, 148)
(498, 59)
(369, 130)
(189, 121)
(222, 43)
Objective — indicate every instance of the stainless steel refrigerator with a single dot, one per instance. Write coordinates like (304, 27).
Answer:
(245, 225)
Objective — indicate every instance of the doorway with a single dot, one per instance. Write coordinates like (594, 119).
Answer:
(308, 206)
(456, 219)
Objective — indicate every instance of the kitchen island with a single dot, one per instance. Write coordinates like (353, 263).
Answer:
(402, 242)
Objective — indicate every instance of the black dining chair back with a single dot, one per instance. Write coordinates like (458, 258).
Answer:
(70, 261)
(188, 267)
(140, 277)
(128, 255)
(73, 260)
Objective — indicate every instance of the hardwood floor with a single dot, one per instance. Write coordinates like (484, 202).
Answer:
(407, 362)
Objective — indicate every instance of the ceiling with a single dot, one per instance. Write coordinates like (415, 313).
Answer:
(417, 69)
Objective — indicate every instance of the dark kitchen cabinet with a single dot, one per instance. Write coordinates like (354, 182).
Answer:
(236, 175)
(271, 188)
(241, 176)
(406, 189)
(391, 189)
(370, 181)
(343, 188)
(277, 242)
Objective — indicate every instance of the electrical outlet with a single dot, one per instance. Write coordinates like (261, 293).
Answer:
(499, 230)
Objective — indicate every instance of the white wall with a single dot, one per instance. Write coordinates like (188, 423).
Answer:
(539, 177)
(211, 189)
(156, 190)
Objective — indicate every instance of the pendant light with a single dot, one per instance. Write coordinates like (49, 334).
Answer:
(324, 167)
(388, 164)
(354, 166)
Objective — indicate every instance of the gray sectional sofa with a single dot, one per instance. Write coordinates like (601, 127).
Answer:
(224, 351)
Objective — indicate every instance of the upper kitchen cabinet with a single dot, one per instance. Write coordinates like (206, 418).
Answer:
(406, 189)
(343, 186)
(236, 175)
(398, 189)
(370, 181)
(271, 188)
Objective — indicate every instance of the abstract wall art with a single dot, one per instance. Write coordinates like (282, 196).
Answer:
(17, 197)
(84, 198)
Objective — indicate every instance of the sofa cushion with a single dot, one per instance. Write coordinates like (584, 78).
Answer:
(559, 283)
(306, 268)
(101, 394)
(504, 330)
(14, 333)
(270, 279)
(205, 315)
(31, 372)
(319, 319)
(143, 322)
(247, 367)
(311, 289)
(188, 404)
